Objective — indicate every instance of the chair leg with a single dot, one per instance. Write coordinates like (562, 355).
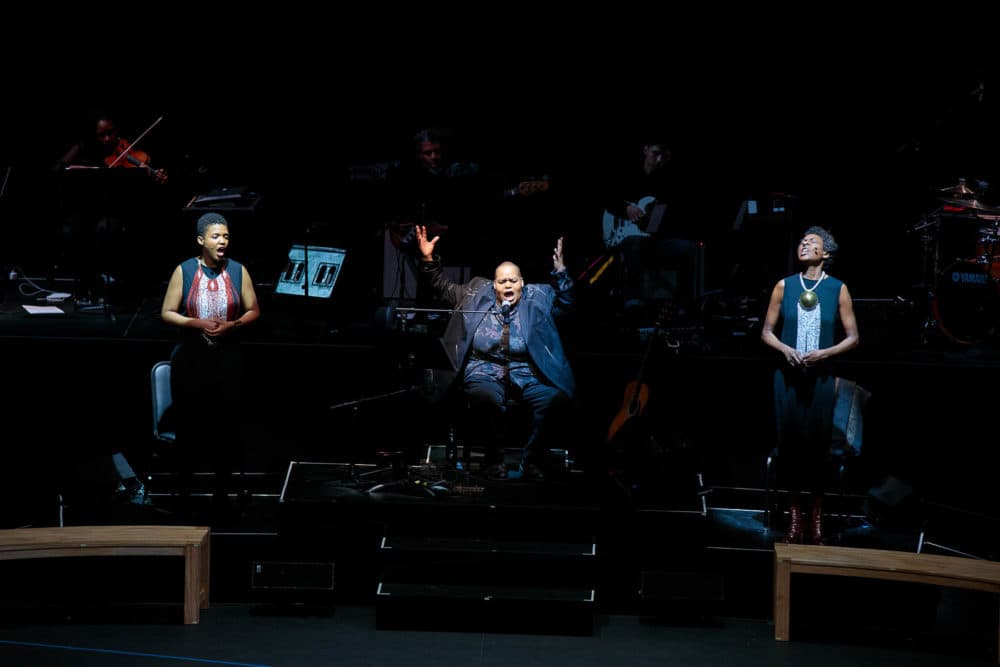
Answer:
(702, 493)
(816, 535)
(768, 484)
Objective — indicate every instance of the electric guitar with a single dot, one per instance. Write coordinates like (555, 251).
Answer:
(618, 229)
(527, 188)
(636, 391)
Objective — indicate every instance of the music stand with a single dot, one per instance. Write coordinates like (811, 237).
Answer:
(103, 203)
(321, 264)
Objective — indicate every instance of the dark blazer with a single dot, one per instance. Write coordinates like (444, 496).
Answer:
(539, 307)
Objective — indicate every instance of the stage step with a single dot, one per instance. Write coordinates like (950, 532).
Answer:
(162, 484)
(528, 610)
(485, 584)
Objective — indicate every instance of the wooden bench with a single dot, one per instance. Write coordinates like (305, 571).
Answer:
(188, 541)
(982, 575)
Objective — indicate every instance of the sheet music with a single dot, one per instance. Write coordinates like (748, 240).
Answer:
(43, 310)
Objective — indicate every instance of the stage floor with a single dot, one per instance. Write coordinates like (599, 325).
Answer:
(268, 636)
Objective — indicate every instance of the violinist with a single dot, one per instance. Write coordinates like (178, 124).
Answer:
(102, 218)
(107, 149)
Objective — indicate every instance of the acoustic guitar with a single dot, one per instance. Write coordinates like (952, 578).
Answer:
(527, 188)
(636, 391)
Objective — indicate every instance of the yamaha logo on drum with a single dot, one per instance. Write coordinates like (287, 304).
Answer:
(963, 277)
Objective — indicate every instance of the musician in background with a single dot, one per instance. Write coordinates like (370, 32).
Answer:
(107, 149)
(642, 226)
(503, 339)
(439, 191)
(97, 212)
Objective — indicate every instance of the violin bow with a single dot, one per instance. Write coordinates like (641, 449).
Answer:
(132, 145)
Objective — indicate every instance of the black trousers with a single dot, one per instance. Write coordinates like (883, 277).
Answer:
(206, 386)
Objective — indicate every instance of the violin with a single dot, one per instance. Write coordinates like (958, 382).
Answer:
(133, 159)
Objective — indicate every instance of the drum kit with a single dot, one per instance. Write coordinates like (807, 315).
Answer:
(960, 248)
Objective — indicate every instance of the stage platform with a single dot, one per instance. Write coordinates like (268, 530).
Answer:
(683, 518)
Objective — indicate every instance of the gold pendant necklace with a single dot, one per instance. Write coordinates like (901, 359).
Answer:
(808, 299)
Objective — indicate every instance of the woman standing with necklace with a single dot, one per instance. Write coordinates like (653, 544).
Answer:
(808, 305)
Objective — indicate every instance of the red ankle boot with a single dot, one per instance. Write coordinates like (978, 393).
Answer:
(794, 533)
(817, 520)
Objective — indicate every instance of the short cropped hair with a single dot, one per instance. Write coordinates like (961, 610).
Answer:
(209, 219)
(830, 245)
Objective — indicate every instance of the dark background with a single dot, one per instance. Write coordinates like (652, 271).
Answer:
(861, 120)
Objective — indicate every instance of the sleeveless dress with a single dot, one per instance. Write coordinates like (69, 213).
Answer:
(804, 397)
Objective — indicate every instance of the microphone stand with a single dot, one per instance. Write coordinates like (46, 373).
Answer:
(398, 464)
(369, 399)
(505, 341)
(403, 327)
(305, 265)
(439, 310)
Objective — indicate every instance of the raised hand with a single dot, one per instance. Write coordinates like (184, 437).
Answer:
(557, 256)
(425, 246)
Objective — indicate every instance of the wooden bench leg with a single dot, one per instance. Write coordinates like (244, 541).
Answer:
(206, 570)
(782, 598)
(192, 584)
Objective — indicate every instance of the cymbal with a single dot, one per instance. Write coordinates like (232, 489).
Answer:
(973, 204)
(960, 189)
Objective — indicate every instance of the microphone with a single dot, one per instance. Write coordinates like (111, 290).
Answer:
(505, 309)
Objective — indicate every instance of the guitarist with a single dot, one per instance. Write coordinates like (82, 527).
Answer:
(434, 190)
(640, 194)
(453, 198)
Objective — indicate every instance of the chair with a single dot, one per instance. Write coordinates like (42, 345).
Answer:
(164, 424)
(163, 430)
(164, 436)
